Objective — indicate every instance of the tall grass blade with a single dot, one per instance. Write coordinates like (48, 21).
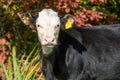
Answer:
(4, 71)
(32, 71)
(15, 64)
(10, 69)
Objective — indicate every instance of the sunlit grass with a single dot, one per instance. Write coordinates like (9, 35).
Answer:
(25, 68)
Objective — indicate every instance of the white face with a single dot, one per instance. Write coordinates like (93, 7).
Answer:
(48, 26)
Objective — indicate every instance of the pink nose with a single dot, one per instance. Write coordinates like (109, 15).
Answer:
(49, 40)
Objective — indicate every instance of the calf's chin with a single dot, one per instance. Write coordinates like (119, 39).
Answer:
(48, 50)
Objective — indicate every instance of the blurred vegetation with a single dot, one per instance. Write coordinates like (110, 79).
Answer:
(13, 33)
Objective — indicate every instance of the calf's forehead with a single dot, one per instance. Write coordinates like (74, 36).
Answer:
(48, 17)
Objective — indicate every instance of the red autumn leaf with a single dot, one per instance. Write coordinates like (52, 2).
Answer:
(67, 10)
(75, 5)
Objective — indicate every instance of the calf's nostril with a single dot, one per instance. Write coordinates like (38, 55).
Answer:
(49, 40)
(53, 40)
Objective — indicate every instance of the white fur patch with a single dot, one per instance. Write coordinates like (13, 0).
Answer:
(46, 25)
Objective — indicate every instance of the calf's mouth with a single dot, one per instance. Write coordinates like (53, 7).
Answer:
(48, 49)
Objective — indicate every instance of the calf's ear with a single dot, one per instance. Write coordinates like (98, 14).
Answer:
(68, 21)
(28, 19)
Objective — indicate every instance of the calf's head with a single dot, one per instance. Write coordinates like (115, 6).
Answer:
(48, 26)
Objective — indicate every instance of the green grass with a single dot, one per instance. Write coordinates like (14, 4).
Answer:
(25, 68)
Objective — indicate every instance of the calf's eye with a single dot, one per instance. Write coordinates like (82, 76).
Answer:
(39, 26)
(57, 26)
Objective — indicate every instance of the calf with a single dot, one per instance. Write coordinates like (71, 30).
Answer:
(77, 53)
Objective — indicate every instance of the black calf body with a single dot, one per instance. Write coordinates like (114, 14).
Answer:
(89, 53)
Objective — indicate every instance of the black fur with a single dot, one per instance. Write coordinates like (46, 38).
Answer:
(88, 53)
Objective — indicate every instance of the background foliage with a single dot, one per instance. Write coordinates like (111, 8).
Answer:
(14, 32)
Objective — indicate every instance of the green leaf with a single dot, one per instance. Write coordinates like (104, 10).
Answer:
(14, 7)
(94, 8)
(5, 6)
